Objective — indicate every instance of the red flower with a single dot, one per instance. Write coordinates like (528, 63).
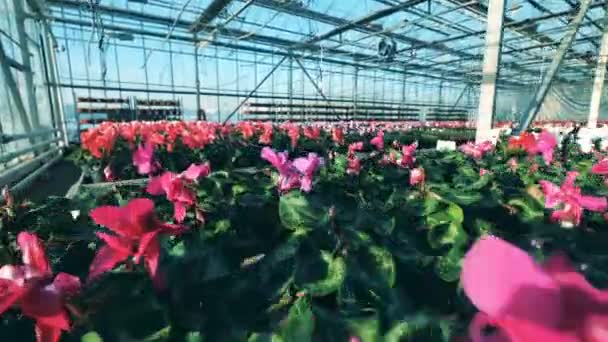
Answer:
(293, 132)
(266, 136)
(178, 188)
(600, 168)
(33, 288)
(313, 133)
(137, 229)
(337, 135)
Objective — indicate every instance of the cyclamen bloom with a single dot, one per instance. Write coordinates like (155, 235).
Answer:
(136, 229)
(378, 141)
(417, 176)
(601, 168)
(177, 188)
(527, 302)
(298, 173)
(354, 165)
(568, 197)
(544, 144)
(307, 167)
(408, 155)
(108, 174)
(337, 135)
(143, 159)
(32, 287)
(477, 151)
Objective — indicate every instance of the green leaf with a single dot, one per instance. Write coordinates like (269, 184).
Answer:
(298, 214)
(91, 337)
(300, 325)
(336, 273)
(386, 264)
(265, 338)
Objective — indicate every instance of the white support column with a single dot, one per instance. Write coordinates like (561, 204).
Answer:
(491, 64)
(598, 83)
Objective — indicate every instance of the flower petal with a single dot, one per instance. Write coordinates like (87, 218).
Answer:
(194, 171)
(598, 204)
(144, 243)
(552, 194)
(518, 330)
(45, 305)
(179, 212)
(105, 260)
(600, 168)
(10, 292)
(155, 186)
(67, 284)
(151, 258)
(33, 252)
(501, 279)
(45, 333)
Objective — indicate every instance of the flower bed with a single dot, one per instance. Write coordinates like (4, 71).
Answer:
(207, 232)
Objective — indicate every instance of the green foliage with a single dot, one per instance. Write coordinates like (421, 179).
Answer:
(361, 255)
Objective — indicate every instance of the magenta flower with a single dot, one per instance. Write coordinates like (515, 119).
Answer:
(288, 175)
(178, 188)
(483, 172)
(307, 167)
(408, 155)
(378, 141)
(355, 147)
(417, 176)
(545, 145)
(143, 159)
(31, 286)
(137, 229)
(569, 200)
(526, 302)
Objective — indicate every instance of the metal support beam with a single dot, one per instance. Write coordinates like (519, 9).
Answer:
(197, 80)
(600, 73)
(363, 21)
(490, 68)
(319, 90)
(553, 69)
(25, 61)
(255, 89)
(14, 90)
(210, 13)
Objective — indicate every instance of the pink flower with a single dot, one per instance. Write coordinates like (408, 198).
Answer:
(601, 168)
(355, 147)
(407, 155)
(266, 136)
(477, 151)
(524, 301)
(568, 197)
(178, 188)
(137, 230)
(33, 288)
(513, 164)
(313, 133)
(545, 145)
(143, 159)
(417, 176)
(307, 167)
(108, 174)
(288, 175)
(378, 141)
(354, 165)
(483, 172)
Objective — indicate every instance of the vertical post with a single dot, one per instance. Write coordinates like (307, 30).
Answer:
(197, 80)
(541, 93)
(403, 89)
(356, 92)
(490, 69)
(600, 73)
(28, 73)
(217, 86)
(290, 87)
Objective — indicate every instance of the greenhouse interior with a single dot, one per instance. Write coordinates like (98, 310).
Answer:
(303, 170)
